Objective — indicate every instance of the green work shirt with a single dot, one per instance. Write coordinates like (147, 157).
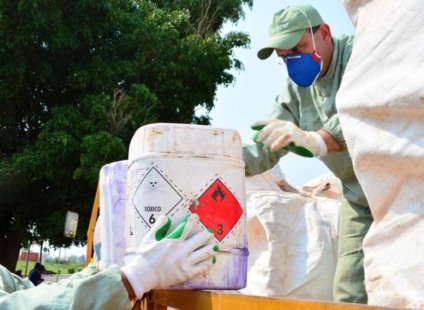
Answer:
(313, 108)
(88, 289)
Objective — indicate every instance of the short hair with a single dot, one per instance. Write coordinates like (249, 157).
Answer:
(315, 28)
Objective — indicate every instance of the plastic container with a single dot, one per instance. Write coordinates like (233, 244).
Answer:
(112, 183)
(176, 170)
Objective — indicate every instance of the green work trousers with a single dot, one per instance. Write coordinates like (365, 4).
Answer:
(349, 284)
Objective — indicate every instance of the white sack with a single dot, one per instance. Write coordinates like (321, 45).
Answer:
(381, 109)
(292, 250)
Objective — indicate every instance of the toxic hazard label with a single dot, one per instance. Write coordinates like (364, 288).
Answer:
(154, 195)
(218, 209)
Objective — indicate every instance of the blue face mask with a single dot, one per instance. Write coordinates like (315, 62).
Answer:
(304, 69)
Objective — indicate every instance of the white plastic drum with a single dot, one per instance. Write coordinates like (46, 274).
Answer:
(176, 170)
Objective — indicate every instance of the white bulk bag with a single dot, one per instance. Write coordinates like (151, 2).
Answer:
(381, 110)
(292, 241)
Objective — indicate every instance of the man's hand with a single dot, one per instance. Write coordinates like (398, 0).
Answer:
(164, 260)
(277, 134)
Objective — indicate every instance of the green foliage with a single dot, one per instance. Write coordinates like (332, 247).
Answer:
(79, 77)
(52, 267)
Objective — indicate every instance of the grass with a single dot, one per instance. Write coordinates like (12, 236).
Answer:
(64, 267)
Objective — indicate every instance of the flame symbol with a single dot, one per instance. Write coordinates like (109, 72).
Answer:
(218, 193)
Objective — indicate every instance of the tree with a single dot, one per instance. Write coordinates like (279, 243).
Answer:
(78, 78)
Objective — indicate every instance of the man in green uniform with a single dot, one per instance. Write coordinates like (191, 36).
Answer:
(304, 120)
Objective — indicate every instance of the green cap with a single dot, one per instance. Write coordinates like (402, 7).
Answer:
(288, 26)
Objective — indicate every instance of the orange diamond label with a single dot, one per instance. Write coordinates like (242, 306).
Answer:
(218, 209)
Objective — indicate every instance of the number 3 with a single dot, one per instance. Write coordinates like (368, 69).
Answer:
(220, 229)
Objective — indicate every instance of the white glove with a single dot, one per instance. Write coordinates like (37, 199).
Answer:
(161, 262)
(277, 134)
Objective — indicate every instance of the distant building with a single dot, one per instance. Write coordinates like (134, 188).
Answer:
(31, 256)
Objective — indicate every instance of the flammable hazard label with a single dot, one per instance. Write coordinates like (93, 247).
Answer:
(218, 209)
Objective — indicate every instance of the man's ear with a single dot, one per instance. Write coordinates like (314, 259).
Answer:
(325, 32)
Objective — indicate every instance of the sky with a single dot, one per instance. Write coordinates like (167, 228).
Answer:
(64, 253)
(250, 98)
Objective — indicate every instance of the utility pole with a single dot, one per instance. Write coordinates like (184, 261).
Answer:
(58, 263)
(27, 259)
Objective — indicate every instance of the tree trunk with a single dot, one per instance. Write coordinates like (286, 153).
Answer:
(9, 249)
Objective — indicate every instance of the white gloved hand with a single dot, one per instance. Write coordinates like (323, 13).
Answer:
(164, 261)
(277, 134)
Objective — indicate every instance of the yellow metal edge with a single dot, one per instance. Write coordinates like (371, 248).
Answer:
(217, 300)
(91, 226)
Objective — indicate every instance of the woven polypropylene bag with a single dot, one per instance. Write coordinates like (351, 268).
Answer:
(381, 109)
(292, 242)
